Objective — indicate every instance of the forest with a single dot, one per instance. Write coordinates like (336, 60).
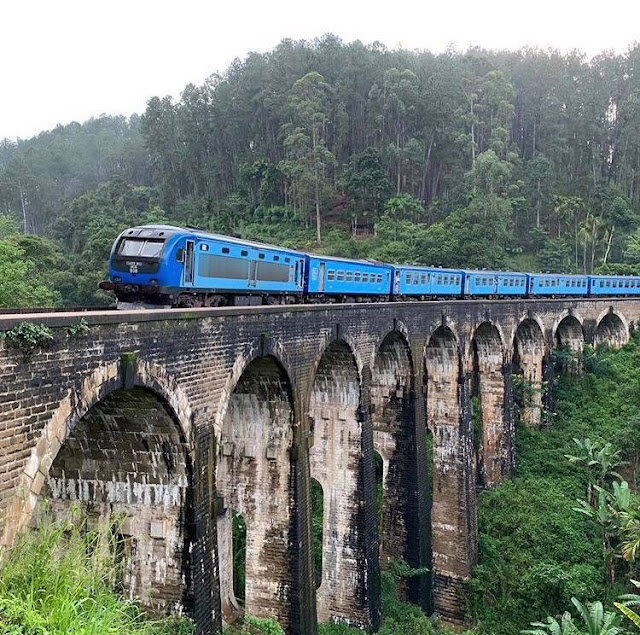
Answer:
(527, 160)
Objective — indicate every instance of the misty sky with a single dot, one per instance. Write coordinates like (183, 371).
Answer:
(66, 60)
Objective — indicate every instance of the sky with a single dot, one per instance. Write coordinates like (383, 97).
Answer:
(69, 60)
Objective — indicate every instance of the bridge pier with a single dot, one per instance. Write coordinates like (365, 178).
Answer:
(394, 422)
(341, 460)
(495, 451)
(453, 514)
(529, 357)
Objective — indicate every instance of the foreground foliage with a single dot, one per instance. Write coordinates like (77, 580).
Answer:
(59, 580)
(540, 547)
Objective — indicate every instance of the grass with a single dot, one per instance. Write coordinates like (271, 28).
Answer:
(59, 580)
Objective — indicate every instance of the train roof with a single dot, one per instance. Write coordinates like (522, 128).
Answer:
(229, 239)
(370, 263)
(429, 268)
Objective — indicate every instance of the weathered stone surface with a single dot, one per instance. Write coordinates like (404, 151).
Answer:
(252, 403)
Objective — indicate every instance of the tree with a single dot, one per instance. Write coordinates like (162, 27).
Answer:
(310, 101)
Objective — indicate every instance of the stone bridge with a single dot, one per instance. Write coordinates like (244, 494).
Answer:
(171, 426)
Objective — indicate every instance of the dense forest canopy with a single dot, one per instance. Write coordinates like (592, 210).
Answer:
(527, 160)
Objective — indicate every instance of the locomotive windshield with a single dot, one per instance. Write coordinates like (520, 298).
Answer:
(141, 247)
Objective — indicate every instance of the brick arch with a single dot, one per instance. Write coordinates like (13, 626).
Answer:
(494, 446)
(336, 462)
(453, 524)
(256, 478)
(443, 323)
(528, 362)
(571, 318)
(249, 353)
(88, 392)
(612, 329)
(399, 328)
(529, 318)
(394, 439)
(111, 450)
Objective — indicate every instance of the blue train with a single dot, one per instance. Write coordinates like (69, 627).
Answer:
(161, 265)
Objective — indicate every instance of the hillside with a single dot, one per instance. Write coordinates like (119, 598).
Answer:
(525, 160)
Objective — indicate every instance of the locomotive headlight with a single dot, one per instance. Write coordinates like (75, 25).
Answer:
(117, 279)
(154, 281)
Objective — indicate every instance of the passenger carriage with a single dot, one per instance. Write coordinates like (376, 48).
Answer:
(553, 284)
(341, 279)
(413, 281)
(495, 283)
(614, 285)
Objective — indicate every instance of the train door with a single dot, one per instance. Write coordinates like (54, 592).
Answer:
(189, 264)
(253, 270)
(321, 279)
(396, 284)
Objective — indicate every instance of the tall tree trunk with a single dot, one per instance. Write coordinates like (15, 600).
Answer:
(608, 249)
(23, 203)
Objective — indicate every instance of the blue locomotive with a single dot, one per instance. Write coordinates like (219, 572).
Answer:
(161, 265)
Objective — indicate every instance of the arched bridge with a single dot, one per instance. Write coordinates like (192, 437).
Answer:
(177, 422)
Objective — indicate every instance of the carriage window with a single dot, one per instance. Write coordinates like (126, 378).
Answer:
(626, 284)
(608, 283)
(379, 277)
(408, 278)
(331, 274)
(357, 276)
(423, 278)
(365, 277)
(225, 250)
(440, 279)
(601, 283)
(244, 253)
(340, 275)
(349, 276)
(415, 278)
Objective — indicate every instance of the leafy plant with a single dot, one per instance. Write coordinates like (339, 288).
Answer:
(79, 329)
(27, 337)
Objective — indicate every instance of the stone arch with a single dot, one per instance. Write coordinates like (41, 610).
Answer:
(529, 353)
(86, 393)
(612, 330)
(250, 352)
(255, 478)
(569, 337)
(493, 442)
(128, 458)
(394, 437)
(453, 514)
(336, 463)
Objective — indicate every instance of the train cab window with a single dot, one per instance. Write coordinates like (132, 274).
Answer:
(225, 250)
(244, 253)
(331, 274)
(349, 276)
(276, 258)
(340, 275)
(261, 256)
(151, 249)
(357, 276)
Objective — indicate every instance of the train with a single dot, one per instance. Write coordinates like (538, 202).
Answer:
(154, 266)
